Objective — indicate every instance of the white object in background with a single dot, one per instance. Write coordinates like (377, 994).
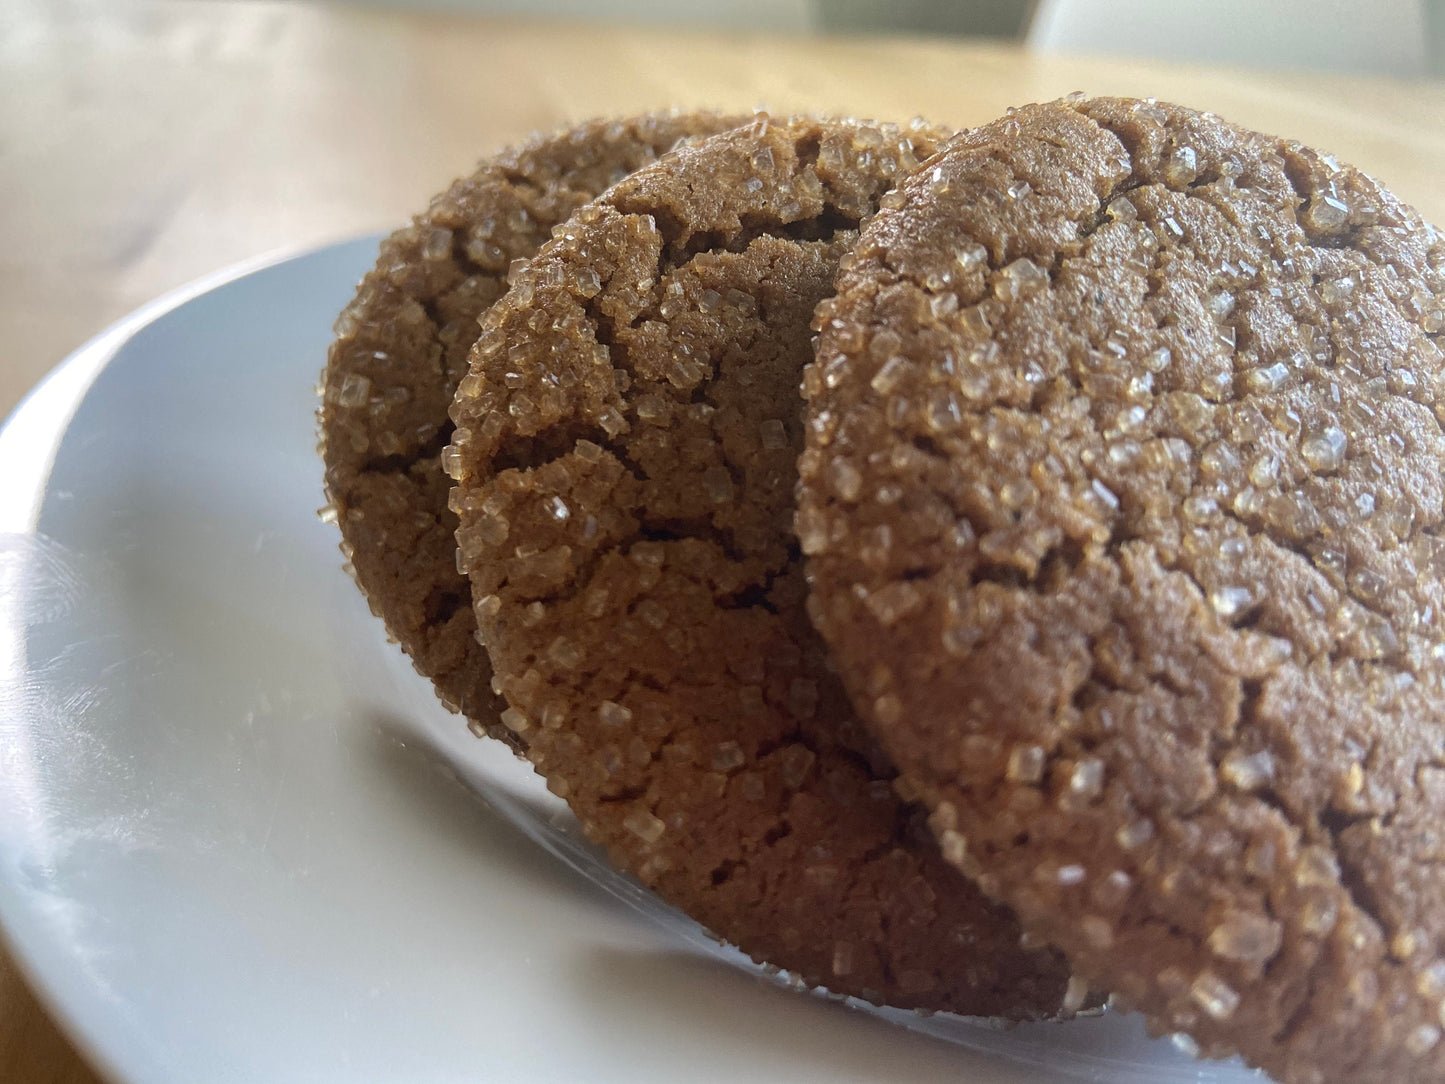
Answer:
(1386, 37)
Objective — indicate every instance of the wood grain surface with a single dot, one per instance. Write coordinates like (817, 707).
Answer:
(145, 143)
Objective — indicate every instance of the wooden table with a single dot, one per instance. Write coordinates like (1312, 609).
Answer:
(142, 144)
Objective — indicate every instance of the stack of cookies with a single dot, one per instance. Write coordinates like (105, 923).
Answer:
(1080, 629)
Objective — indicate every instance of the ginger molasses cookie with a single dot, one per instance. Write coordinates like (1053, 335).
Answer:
(1123, 502)
(402, 346)
(625, 453)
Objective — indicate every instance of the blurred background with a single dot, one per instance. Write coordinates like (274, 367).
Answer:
(1394, 37)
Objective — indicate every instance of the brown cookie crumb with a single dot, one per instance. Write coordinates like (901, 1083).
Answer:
(625, 451)
(1123, 500)
(401, 348)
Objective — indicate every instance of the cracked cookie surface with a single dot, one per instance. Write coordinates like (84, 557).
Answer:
(1122, 501)
(625, 452)
(400, 350)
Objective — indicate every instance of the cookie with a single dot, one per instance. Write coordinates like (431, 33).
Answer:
(625, 453)
(401, 347)
(1122, 502)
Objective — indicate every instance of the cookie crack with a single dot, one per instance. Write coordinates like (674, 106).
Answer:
(404, 462)
(1296, 172)
(828, 226)
(1112, 544)
(622, 795)
(464, 263)
(1324, 827)
(558, 440)
(559, 437)
(665, 529)
(725, 870)
(1256, 531)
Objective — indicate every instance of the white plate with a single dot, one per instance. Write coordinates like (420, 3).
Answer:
(239, 839)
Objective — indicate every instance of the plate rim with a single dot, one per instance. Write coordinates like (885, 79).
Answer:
(51, 403)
